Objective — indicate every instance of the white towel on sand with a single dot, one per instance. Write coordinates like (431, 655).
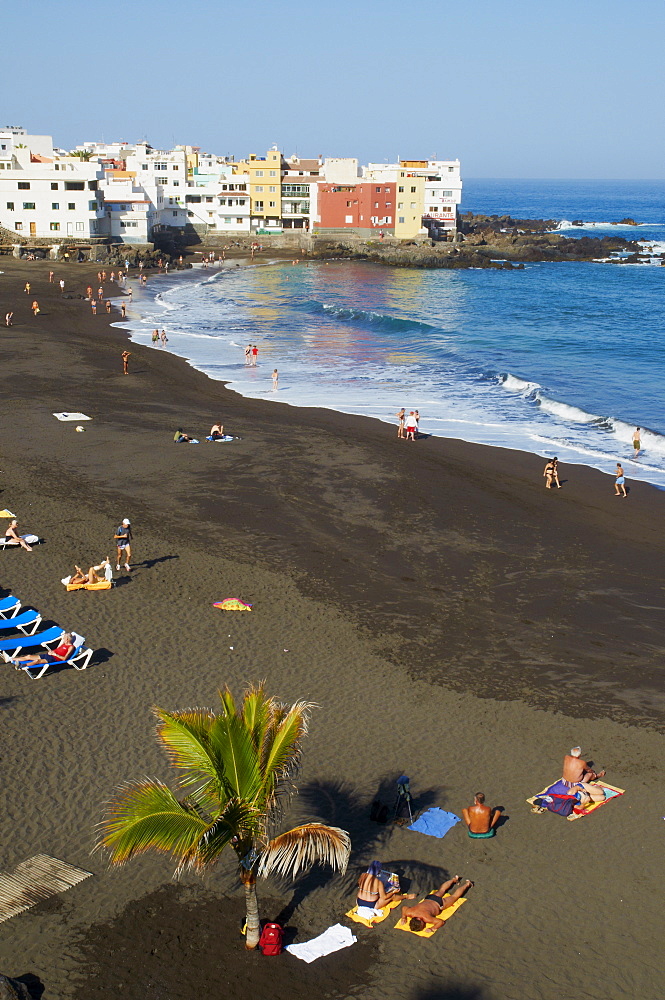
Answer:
(336, 937)
(71, 416)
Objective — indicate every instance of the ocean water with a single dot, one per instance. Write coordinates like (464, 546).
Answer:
(557, 359)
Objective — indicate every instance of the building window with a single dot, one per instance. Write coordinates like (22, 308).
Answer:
(401, 189)
(175, 213)
(10, 206)
(28, 206)
(74, 186)
(272, 189)
(144, 166)
(55, 226)
(259, 173)
(92, 185)
(258, 205)
(241, 201)
(272, 173)
(413, 190)
(413, 204)
(18, 226)
(176, 184)
(400, 204)
(239, 222)
(24, 185)
(71, 206)
(54, 186)
(348, 219)
(176, 167)
(92, 206)
(447, 194)
(79, 227)
(376, 204)
(260, 188)
(401, 220)
(272, 204)
(208, 200)
(55, 205)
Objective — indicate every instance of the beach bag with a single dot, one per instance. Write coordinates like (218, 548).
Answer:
(270, 941)
(560, 804)
(379, 812)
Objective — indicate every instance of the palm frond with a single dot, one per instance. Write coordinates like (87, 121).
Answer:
(297, 850)
(145, 815)
(185, 737)
(257, 712)
(283, 743)
(228, 702)
(231, 743)
(239, 822)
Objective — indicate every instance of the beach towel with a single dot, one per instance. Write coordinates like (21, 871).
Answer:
(71, 416)
(358, 916)
(434, 822)
(222, 440)
(30, 539)
(334, 939)
(558, 788)
(232, 604)
(102, 585)
(429, 932)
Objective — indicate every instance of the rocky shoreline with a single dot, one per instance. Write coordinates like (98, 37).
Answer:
(487, 242)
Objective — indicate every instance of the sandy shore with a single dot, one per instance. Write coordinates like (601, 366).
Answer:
(452, 619)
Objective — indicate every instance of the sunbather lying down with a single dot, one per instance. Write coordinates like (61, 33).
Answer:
(59, 654)
(426, 914)
(92, 575)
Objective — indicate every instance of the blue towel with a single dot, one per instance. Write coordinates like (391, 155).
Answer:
(435, 822)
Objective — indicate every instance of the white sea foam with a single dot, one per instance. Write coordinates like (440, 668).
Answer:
(565, 410)
(515, 384)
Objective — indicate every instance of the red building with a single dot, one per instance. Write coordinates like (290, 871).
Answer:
(364, 208)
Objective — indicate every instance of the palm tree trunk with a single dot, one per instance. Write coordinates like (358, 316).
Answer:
(253, 929)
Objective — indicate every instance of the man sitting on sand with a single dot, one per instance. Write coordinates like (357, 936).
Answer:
(577, 775)
(426, 914)
(181, 438)
(480, 819)
(217, 431)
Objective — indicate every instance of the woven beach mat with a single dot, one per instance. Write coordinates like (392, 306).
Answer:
(33, 880)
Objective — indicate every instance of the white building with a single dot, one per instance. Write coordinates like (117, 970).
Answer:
(46, 194)
(300, 188)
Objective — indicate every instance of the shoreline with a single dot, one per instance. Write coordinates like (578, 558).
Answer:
(452, 619)
(573, 454)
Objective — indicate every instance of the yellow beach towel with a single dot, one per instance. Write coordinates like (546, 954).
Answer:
(353, 914)
(429, 932)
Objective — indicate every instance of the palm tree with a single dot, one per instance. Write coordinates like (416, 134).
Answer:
(236, 770)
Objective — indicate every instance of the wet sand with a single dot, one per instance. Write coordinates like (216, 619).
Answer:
(452, 619)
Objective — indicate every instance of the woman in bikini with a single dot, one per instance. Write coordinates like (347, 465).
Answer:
(372, 892)
(551, 473)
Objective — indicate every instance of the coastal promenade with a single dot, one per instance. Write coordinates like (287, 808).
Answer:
(452, 619)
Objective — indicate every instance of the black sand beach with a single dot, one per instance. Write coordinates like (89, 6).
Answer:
(451, 618)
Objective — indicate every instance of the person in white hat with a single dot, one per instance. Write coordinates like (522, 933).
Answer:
(123, 541)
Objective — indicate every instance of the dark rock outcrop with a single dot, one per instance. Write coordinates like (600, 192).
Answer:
(12, 989)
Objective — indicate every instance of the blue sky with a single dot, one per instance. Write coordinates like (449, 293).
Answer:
(514, 88)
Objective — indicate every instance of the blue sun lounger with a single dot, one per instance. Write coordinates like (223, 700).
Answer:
(18, 642)
(9, 606)
(79, 659)
(27, 620)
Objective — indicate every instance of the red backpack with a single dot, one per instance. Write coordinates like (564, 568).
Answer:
(270, 941)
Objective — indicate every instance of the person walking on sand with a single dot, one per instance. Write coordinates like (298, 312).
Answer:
(108, 305)
(426, 914)
(620, 482)
(126, 355)
(480, 819)
(50, 277)
(275, 379)
(255, 355)
(93, 306)
(123, 540)
(27, 288)
(100, 292)
(88, 292)
(123, 309)
(411, 426)
(8, 318)
(401, 414)
(637, 444)
(62, 285)
(551, 473)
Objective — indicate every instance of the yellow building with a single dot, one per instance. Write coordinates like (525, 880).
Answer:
(265, 190)
(409, 199)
